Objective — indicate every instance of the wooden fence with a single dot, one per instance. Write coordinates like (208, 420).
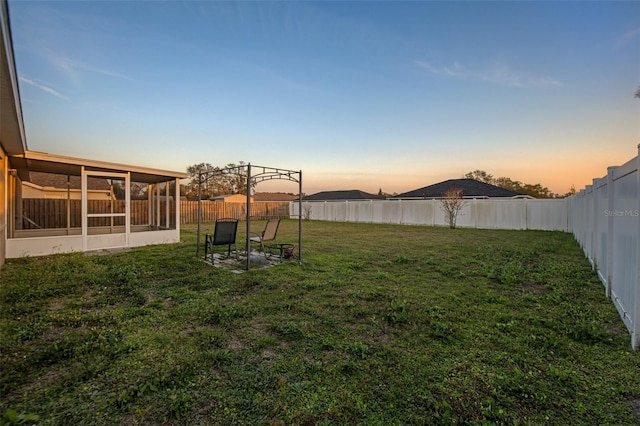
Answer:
(39, 213)
(212, 210)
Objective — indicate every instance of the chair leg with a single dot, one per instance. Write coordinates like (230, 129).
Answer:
(208, 246)
(264, 251)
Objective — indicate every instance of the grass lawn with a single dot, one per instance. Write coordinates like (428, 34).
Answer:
(381, 325)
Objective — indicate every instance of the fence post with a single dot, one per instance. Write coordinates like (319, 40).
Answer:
(371, 208)
(594, 238)
(610, 205)
(635, 333)
(567, 214)
(589, 216)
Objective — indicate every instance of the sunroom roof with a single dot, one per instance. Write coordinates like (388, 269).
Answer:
(49, 163)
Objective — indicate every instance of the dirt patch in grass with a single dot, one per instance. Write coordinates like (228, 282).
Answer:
(268, 354)
(236, 345)
(38, 384)
(635, 407)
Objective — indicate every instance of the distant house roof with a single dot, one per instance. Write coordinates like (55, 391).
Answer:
(353, 194)
(470, 188)
(60, 181)
(274, 196)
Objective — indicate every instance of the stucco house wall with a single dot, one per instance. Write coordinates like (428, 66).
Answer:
(3, 226)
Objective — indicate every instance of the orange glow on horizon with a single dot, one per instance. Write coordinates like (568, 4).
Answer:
(558, 173)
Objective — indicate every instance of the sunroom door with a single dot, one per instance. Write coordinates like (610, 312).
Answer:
(106, 223)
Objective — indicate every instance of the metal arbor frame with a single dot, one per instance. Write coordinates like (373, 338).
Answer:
(262, 174)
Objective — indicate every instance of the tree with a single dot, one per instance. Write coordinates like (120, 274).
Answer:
(117, 187)
(451, 203)
(236, 179)
(306, 211)
(535, 190)
(480, 175)
(138, 191)
(230, 179)
(208, 187)
(638, 93)
(571, 192)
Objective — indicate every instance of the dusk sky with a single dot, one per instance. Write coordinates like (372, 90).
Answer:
(357, 95)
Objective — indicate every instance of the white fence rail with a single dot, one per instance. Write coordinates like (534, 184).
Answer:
(603, 217)
(550, 215)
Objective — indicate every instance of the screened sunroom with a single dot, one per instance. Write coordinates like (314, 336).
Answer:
(88, 205)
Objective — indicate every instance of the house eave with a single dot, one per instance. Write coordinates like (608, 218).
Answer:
(12, 135)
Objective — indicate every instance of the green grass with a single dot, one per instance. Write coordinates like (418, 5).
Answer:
(381, 325)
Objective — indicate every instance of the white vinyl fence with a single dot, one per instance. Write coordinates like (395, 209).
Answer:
(603, 217)
(550, 215)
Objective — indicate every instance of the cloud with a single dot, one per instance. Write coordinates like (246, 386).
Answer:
(72, 68)
(90, 68)
(455, 71)
(624, 38)
(44, 88)
(499, 73)
(544, 82)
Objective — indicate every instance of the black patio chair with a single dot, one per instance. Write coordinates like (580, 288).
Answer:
(224, 234)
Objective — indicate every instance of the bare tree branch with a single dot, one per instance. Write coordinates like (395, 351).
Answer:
(451, 203)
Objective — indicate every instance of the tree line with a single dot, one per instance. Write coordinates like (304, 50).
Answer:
(535, 190)
(232, 179)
